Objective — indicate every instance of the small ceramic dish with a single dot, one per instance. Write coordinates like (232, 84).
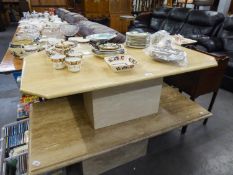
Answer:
(66, 45)
(74, 53)
(69, 44)
(121, 63)
(50, 51)
(62, 51)
(73, 63)
(54, 41)
(30, 48)
(58, 61)
(79, 39)
(16, 50)
(60, 45)
(109, 46)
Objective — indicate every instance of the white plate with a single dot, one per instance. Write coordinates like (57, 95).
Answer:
(137, 34)
(101, 36)
(79, 39)
(136, 47)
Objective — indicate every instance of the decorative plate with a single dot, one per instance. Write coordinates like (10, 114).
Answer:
(101, 36)
(108, 53)
(79, 39)
(109, 46)
(121, 63)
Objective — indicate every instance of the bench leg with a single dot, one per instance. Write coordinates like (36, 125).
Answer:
(211, 105)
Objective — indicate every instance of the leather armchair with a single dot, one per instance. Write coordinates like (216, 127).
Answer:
(221, 45)
(175, 20)
(201, 23)
(150, 22)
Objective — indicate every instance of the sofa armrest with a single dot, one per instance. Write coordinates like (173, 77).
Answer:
(211, 44)
(218, 57)
(144, 16)
(142, 20)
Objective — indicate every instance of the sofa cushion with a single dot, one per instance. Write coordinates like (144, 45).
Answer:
(212, 44)
(142, 30)
(201, 23)
(58, 12)
(75, 19)
(175, 20)
(88, 28)
(62, 13)
(68, 16)
(142, 20)
(157, 18)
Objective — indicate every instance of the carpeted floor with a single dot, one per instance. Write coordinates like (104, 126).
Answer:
(9, 92)
(202, 151)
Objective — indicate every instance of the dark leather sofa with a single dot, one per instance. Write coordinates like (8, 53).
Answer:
(188, 22)
(212, 30)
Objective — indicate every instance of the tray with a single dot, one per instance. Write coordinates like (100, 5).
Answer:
(121, 63)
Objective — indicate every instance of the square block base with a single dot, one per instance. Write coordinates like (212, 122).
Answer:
(110, 106)
(115, 158)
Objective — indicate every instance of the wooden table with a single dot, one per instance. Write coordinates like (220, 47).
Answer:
(60, 133)
(10, 64)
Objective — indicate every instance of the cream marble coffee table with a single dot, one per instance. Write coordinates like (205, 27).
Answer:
(61, 135)
(109, 97)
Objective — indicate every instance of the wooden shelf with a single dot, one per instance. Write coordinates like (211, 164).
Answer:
(61, 135)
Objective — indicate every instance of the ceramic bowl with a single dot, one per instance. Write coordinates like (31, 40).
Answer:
(61, 50)
(69, 30)
(73, 63)
(17, 51)
(58, 61)
(69, 44)
(31, 48)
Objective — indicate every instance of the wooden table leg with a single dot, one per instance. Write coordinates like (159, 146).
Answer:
(184, 128)
(211, 105)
